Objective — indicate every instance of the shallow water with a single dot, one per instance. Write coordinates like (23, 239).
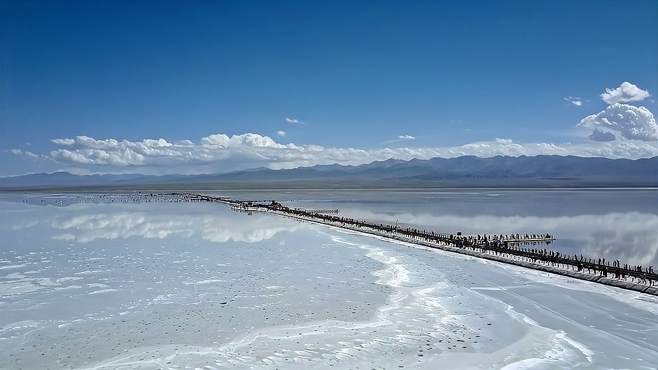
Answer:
(612, 224)
(162, 285)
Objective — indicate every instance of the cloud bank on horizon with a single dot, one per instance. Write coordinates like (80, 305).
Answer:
(620, 130)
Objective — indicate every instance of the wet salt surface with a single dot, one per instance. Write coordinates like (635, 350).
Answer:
(197, 286)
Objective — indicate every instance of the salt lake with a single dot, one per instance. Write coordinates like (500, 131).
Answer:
(106, 285)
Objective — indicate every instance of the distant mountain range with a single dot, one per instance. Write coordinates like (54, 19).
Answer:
(467, 171)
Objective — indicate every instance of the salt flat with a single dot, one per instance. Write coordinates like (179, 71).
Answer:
(109, 286)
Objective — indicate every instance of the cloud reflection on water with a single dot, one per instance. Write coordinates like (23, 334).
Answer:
(218, 228)
(629, 236)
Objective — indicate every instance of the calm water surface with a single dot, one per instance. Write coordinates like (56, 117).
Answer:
(614, 224)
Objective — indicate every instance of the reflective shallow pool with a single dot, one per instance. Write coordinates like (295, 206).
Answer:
(614, 224)
(162, 285)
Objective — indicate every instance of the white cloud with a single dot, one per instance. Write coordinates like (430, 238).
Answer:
(293, 120)
(634, 123)
(245, 140)
(577, 101)
(221, 153)
(625, 93)
(406, 137)
(24, 153)
(281, 133)
(63, 141)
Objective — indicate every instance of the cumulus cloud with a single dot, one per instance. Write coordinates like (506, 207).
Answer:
(292, 120)
(631, 122)
(221, 141)
(406, 137)
(625, 93)
(577, 101)
(281, 133)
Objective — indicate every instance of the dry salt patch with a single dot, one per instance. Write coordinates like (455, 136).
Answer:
(10, 288)
(406, 323)
(18, 328)
(69, 323)
(97, 285)
(204, 282)
(15, 275)
(103, 291)
(88, 272)
(69, 287)
(68, 278)
(45, 282)
(8, 267)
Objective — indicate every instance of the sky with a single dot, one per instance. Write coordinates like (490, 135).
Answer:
(215, 86)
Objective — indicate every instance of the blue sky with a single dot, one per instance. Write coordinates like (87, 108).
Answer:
(365, 80)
